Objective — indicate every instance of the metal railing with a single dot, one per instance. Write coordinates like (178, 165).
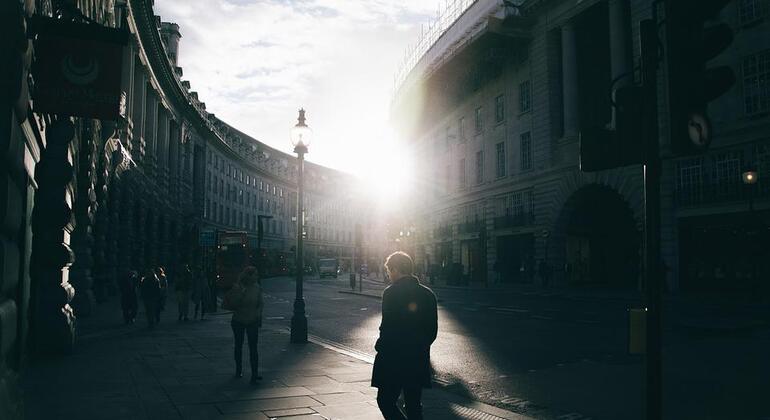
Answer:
(514, 220)
(442, 231)
(430, 33)
(706, 193)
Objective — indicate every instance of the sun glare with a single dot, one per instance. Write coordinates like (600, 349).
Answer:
(384, 171)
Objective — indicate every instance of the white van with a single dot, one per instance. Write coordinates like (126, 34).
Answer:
(327, 267)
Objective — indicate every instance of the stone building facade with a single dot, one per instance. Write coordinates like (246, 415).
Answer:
(493, 98)
(85, 200)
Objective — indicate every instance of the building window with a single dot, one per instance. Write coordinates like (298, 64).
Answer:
(500, 152)
(479, 123)
(479, 167)
(526, 151)
(689, 182)
(727, 175)
(756, 83)
(461, 179)
(461, 128)
(525, 96)
(751, 11)
(500, 108)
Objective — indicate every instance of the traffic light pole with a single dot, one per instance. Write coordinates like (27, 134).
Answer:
(653, 279)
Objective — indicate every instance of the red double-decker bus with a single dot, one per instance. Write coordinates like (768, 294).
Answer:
(232, 255)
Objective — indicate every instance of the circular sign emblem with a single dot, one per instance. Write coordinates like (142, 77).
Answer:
(79, 74)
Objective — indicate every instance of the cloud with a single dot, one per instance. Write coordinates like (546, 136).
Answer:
(255, 62)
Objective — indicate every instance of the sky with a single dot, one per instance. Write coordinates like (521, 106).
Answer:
(256, 62)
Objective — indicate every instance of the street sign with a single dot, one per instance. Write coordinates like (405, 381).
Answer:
(207, 238)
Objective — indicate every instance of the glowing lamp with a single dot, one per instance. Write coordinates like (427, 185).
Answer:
(749, 177)
(301, 134)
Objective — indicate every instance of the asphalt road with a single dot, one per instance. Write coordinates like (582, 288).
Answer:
(550, 357)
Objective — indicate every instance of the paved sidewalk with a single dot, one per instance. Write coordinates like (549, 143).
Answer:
(184, 371)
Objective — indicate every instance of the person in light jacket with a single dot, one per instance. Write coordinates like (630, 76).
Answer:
(247, 319)
(409, 327)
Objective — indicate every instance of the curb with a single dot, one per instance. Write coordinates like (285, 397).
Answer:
(482, 408)
(369, 295)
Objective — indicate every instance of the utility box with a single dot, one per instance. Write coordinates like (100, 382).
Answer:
(637, 330)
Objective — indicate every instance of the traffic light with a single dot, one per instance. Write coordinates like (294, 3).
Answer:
(601, 148)
(692, 40)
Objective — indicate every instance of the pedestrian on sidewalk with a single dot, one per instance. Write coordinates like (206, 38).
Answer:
(246, 302)
(128, 299)
(200, 293)
(408, 328)
(182, 288)
(163, 284)
(149, 289)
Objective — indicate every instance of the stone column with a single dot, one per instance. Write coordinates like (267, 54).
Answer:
(82, 237)
(620, 53)
(569, 79)
(53, 329)
(139, 249)
(120, 223)
(150, 132)
(138, 114)
(162, 149)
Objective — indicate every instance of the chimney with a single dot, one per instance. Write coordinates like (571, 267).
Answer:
(169, 32)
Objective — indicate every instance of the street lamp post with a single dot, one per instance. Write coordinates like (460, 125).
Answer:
(300, 139)
(260, 236)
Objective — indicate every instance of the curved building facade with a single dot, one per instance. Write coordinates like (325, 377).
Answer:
(88, 197)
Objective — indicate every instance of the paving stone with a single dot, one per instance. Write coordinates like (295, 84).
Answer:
(266, 404)
(350, 411)
(293, 413)
(252, 393)
(352, 377)
(305, 381)
(342, 398)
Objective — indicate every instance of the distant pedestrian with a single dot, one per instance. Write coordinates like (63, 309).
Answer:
(408, 328)
(246, 302)
(128, 299)
(201, 294)
(163, 283)
(149, 289)
(182, 287)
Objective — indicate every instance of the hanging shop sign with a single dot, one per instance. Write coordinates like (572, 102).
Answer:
(78, 69)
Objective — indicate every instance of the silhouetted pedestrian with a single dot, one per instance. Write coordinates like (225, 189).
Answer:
(182, 287)
(128, 299)
(149, 289)
(245, 300)
(201, 294)
(409, 327)
(163, 284)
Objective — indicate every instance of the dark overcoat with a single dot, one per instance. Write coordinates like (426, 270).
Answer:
(409, 326)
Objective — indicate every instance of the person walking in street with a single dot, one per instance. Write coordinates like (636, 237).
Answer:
(246, 302)
(408, 328)
(163, 284)
(200, 293)
(150, 292)
(128, 299)
(182, 288)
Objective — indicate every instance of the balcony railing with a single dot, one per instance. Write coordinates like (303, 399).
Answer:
(472, 227)
(718, 193)
(514, 220)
